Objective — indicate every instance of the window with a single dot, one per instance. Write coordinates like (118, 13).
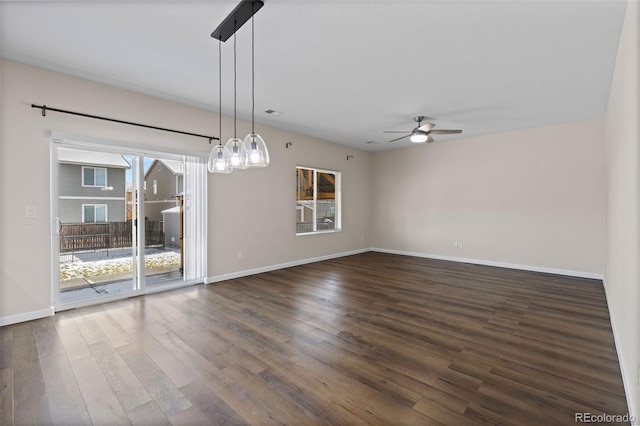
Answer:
(92, 213)
(94, 176)
(155, 186)
(317, 200)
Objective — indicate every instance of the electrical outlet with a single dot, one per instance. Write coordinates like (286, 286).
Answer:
(239, 255)
(31, 212)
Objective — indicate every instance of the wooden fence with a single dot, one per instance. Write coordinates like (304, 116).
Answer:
(76, 237)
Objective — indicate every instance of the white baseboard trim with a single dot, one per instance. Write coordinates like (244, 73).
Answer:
(555, 271)
(246, 273)
(27, 316)
(627, 381)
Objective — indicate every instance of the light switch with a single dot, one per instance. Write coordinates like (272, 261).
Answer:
(31, 211)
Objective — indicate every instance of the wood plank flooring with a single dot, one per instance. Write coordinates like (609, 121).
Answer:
(366, 339)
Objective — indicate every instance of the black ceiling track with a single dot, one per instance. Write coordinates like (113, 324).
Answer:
(238, 16)
(45, 108)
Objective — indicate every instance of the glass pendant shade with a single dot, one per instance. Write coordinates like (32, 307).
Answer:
(238, 153)
(257, 152)
(418, 136)
(219, 160)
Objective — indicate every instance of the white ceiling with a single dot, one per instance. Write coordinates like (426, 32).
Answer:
(342, 71)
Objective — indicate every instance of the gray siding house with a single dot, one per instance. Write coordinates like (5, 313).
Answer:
(163, 181)
(91, 186)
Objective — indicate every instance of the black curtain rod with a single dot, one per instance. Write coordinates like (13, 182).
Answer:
(45, 108)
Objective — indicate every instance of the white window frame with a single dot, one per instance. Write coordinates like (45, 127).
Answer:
(337, 200)
(106, 212)
(155, 187)
(94, 177)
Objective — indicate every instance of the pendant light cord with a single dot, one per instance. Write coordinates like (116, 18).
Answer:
(235, 130)
(220, 89)
(253, 79)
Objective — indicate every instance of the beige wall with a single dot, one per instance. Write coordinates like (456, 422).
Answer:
(260, 200)
(530, 198)
(266, 235)
(622, 136)
(2, 184)
(533, 198)
(539, 198)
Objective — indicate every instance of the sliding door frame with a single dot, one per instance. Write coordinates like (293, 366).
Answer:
(65, 140)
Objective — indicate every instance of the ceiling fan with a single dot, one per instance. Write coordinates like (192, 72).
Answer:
(422, 133)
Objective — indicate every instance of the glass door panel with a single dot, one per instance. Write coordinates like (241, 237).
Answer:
(96, 227)
(163, 220)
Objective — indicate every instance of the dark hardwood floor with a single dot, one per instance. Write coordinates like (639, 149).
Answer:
(367, 339)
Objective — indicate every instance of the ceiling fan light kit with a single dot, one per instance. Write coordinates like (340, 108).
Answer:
(423, 132)
(253, 151)
(418, 136)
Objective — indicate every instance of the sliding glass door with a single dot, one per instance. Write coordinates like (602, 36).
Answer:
(124, 222)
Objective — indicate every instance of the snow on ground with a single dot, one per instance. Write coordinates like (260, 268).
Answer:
(78, 269)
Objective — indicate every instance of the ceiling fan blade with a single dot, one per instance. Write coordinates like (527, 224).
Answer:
(401, 137)
(396, 131)
(429, 139)
(444, 132)
(426, 127)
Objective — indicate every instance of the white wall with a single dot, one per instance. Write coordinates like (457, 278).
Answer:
(533, 198)
(622, 136)
(1, 167)
(264, 206)
(266, 231)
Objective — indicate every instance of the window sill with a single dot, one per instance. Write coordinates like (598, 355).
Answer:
(328, 231)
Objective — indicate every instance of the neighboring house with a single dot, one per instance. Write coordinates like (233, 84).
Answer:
(91, 186)
(162, 182)
(171, 221)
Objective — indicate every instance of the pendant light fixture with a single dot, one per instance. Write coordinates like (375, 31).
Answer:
(235, 145)
(257, 152)
(253, 151)
(219, 158)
